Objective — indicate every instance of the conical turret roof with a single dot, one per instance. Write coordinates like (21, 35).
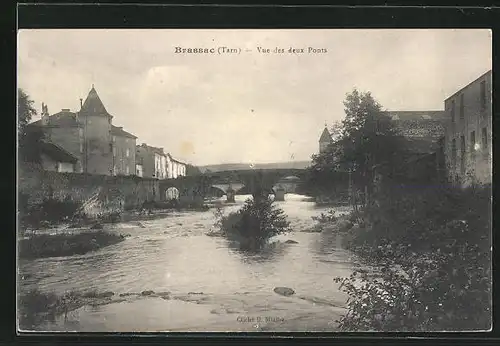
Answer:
(93, 104)
(325, 136)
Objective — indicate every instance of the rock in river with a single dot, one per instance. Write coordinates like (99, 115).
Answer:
(289, 241)
(284, 291)
(147, 293)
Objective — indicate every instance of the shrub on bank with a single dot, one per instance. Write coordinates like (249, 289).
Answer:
(50, 210)
(254, 224)
(35, 307)
(44, 245)
(434, 249)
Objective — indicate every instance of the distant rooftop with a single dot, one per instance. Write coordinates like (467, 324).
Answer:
(118, 131)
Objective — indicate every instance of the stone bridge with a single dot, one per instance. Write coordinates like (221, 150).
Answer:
(272, 181)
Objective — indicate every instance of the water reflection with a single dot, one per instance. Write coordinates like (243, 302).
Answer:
(269, 252)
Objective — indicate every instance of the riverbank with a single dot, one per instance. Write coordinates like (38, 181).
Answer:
(433, 248)
(66, 244)
(164, 256)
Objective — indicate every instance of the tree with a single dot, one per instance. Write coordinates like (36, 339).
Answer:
(368, 138)
(192, 170)
(25, 111)
(29, 137)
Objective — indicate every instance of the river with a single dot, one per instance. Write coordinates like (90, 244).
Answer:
(212, 286)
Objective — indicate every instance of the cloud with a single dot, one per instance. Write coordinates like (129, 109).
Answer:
(233, 108)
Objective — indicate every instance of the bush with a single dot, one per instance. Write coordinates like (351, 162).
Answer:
(39, 246)
(50, 210)
(434, 246)
(35, 307)
(254, 224)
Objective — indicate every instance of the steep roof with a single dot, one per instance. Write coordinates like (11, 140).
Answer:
(118, 131)
(325, 136)
(93, 104)
(64, 118)
(57, 153)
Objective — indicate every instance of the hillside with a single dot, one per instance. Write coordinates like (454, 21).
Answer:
(243, 166)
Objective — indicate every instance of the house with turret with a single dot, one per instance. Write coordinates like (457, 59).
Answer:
(96, 146)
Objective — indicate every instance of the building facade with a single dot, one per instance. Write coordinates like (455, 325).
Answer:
(151, 161)
(468, 136)
(56, 159)
(175, 168)
(124, 144)
(422, 129)
(90, 136)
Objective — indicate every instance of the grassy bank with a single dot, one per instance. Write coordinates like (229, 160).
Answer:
(35, 307)
(433, 247)
(44, 245)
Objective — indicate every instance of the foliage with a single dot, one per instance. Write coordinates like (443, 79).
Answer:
(50, 210)
(35, 307)
(25, 111)
(29, 137)
(366, 137)
(434, 248)
(66, 244)
(326, 218)
(192, 170)
(254, 224)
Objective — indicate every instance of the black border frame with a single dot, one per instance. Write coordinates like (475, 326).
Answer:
(87, 15)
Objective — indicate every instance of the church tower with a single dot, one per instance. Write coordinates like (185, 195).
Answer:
(325, 140)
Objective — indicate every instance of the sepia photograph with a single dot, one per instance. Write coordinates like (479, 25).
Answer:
(254, 180)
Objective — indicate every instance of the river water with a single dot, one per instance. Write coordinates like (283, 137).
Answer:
(212, 286)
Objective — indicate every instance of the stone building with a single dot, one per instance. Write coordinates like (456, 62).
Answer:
(88, 135)
(54, 158)
(153, 162)
(325, 140)
(422, 129)
(468, 136)
(123, 151)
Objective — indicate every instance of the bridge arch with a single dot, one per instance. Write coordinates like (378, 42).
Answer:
(172, 193)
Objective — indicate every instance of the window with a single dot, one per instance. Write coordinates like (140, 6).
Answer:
(81, 146)
(453, 153)
(128, 152)
(462, 113)
(453, 110)
(462, 154)
(473, 145)
(114, 151)
(483, 95)
(80, 132)
(127, 170)
(484, 140)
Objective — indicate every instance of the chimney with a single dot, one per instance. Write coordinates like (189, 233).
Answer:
(45, 114)
(81, 103)
(65, 110)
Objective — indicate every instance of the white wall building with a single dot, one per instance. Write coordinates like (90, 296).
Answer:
(175, 168)
(160, 166)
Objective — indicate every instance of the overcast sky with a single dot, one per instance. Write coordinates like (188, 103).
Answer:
(248, 107)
